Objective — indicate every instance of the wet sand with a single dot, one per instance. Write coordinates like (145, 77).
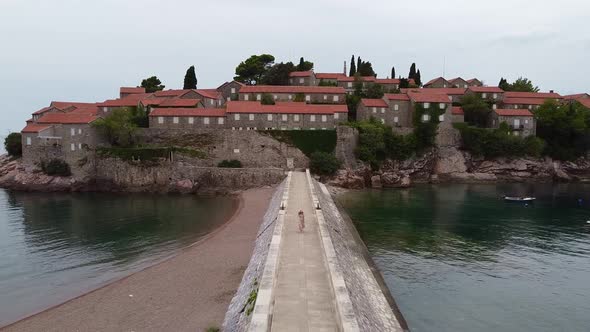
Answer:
(188, 292)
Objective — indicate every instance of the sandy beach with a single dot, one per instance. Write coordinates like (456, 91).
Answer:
(188, 292)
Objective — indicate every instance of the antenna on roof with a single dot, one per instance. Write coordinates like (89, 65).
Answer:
(344, 67)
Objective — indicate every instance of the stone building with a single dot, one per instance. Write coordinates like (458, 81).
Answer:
(527, 100)
(521, 121)
(438, 82)
(187, 118)
(247, 115)
(457, 114)
(309, 94)
(302, 78)
(230, 90)
(458, 82)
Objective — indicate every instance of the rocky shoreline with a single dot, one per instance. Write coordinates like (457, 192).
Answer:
(451, 165)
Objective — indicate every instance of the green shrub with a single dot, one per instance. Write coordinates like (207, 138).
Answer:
(234, 163)
(56, 167)
(494, 143)
(267, 99)
(308, 141)
(13, 144)
(324, 163)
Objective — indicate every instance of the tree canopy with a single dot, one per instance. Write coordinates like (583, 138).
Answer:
(190, 79)
(521, 84)
(477, 110)
(393, 72)
(252, 70)
(304, 65)
(152, 84)
(278, 74)
(118, 127)
(13, 144)
(352, 67)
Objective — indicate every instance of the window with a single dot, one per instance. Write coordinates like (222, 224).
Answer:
(206, 120)
(515, 106)
(349, 84)
(251, 117)
(442, 106)
(495, 95)
(336, 116)
(516, 133)
(396, 107)
(444, 85)
(274, 97)
(441, 118)
(191, 120)
(302, 80)
(335, 98)
(236, 150)
(526, 121)
(175, 119)
(72, 131)
(105, 109)
(160, 119)
(258, 97)
(28, 141)
(212, 101)
(324, 118)
(284, 117)
(269, 117)
(79, 146)
(246, 97)
(383, 121)
(312, 118)
(325, 97)
(374, 109)
(395, 119)
(530, 106)
(73, 147)
(290, 97)
(220, 121)
(237, 117)
(308, 98)
(79, 131)
(425, 117)
(233, 90)
(494, 106)
(484, 95)
(465, 86)
(296, 117)
(426, 105)
(517, 122)
(382, 110)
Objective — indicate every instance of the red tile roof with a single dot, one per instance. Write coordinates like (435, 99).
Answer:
(296, 108)
(208, 93)
(443, 91)
(422, 97)
(352, 78)
(45, 109)
(182, 111)
(542, 95)
(397, 96)
(65, 104)
(452, 80)
(585, 102)
(130, 90)
(472, 80)
(178, 102)
(124, 102)
(434, 80)
(291, 89)
(170, 93)
(513, 112)
(456, 110)
(306, 73)
(67, 118)
(329, 76)
(576, 96)
(523, 101)
(387, 81)
(488, 89)
(34, 128)
(374, 102)
(152, 101)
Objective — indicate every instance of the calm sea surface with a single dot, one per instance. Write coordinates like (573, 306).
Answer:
(458, 258)
(56, 246)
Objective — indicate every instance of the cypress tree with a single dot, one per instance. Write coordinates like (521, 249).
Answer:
(412, 73)
(393, 72)
(190, 79)
(358, 64)
(418, 78)
(352, 67)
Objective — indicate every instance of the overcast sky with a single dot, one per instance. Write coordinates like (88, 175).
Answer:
(71, 50)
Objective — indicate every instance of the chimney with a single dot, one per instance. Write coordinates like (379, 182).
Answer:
(344, 67)
(550, 91)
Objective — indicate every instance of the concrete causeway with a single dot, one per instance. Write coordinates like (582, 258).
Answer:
(303, 297)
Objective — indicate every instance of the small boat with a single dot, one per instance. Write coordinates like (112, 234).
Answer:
(519, 199)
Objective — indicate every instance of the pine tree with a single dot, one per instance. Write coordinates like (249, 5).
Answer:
(358, 63)
(301, 63)
(418, 79)
(393, 72)
(190, 79)
(412, 73)
(352, 67)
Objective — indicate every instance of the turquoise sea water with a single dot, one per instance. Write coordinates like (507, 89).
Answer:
(57, 246)
(459, 258)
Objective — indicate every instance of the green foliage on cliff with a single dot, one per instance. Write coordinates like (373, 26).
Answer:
(13, 144)
(118, 128)
(324, 163)
(493, 143)
(55, 167)
(477, 110)
(308, 141)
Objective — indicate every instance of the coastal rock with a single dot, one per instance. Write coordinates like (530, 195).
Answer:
(450, 160)
(348, 179)
(396, 180)
(376, 182)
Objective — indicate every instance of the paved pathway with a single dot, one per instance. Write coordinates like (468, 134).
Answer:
(304, 300)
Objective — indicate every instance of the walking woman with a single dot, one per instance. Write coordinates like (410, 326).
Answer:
(301, 221)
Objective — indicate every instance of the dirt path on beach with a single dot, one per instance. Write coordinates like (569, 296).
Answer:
(189, 292)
